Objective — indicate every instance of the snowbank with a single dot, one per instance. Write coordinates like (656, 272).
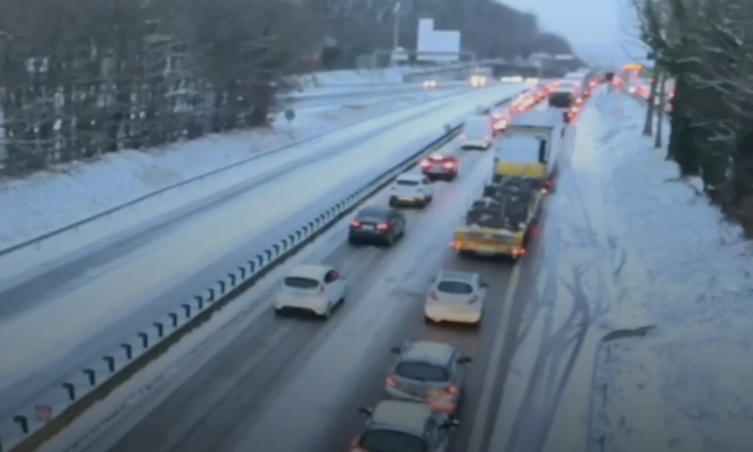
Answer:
(686, 386)
(50, 200)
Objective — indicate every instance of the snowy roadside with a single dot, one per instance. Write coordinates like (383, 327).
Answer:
(686, 385)
(49, 200)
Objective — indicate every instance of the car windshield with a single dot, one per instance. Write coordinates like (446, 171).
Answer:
(391, 441)
(421, 371)
(407, 182)
(297, 282)
(455, 287)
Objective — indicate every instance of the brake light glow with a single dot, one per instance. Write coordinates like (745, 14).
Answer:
(519, 252)
(355, 224)
(354, 447)
(448, 165)
(434, 296)
(391, 382)
(473, 300)
(425, 163)
(452, 390)
(383, 227)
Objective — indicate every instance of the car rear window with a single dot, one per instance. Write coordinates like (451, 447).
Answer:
(562, 100)
(407, 182)
(391, 441)
(422, 371)
(455, 287)
(297, 282)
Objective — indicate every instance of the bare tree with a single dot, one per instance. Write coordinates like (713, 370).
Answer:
(703, 45)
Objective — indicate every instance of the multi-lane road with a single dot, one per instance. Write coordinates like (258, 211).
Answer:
(295, 384)
(88, 292)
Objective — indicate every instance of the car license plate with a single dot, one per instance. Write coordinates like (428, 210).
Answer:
(368, 228)
(456, 310)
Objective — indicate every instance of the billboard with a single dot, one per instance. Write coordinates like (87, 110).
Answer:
(437, 45)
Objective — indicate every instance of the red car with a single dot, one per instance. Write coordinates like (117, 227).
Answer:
(440, 167)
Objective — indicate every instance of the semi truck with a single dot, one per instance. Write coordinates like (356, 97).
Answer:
(525, 170)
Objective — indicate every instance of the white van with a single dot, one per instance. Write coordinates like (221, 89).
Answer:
(411, 189)
(477, 133)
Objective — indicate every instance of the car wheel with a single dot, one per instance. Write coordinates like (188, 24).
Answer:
(429, 199)
(393, 201)
(279, 313)
(353, 241)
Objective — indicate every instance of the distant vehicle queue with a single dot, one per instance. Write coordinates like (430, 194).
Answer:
(425, 386)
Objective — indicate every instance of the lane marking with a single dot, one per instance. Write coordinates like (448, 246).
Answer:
(481, 416)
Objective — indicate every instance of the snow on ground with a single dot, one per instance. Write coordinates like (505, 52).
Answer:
(105, 309)
(359, 77)
(686, 386)
(42, 202)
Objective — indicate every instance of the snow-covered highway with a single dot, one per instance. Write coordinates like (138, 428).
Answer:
(134, 268)
(612, 254)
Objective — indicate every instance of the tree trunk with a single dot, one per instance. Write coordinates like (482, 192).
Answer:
(648, 125)
(660, 120)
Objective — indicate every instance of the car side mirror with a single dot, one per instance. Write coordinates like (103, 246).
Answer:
(366, 411)
(465, 360)
(395, 350)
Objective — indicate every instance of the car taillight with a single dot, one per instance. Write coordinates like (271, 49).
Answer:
(448, 165)
(519, 252)
(452, 390)
(383, 227)
(391, 382)
(425, 163)
(434, 296)
(355, 224)
(355, 447)
(473, 300)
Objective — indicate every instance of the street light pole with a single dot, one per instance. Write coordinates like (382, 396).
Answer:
(396, 35)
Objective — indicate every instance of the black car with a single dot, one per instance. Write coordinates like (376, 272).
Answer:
(402, 426)
(377, 224)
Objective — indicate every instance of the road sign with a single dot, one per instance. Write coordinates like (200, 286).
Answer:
(43, 413)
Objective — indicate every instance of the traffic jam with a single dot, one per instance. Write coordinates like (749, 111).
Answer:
(424, 387)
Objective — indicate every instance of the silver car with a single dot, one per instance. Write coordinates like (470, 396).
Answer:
(404, 426)
(428, 372)
(456, 296)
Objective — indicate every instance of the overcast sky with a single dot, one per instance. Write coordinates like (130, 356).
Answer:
(598, 29)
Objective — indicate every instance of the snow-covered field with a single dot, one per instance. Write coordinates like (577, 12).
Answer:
(111, 315)
(50, 200)
(687, 385)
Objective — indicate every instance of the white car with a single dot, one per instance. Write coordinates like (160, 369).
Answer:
(314, 289)
(411, 189)
(477, 132)
(430, 84)
(456, 297)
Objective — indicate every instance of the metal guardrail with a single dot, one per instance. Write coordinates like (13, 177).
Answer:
(38, 421)
(73, 226)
